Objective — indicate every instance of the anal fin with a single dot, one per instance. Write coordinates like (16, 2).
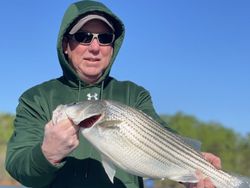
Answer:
(109, 168)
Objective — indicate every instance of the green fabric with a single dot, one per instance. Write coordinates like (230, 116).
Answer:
(82, 168)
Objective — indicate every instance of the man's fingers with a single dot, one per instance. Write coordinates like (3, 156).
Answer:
(214, 160)
(207, 183)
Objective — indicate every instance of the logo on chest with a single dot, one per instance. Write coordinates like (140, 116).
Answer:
(93, 96)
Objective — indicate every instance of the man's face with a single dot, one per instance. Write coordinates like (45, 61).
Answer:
(89, 60)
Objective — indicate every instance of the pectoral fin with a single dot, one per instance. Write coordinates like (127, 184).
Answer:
(110, 124)
(109, 168)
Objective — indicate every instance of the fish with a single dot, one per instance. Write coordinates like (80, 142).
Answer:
(129, 139)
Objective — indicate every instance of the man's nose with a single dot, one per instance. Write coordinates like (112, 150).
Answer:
(94, 45)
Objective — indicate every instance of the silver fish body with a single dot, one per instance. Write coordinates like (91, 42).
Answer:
(131, 140)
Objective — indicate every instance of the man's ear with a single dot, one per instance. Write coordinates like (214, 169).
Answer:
(65, 44)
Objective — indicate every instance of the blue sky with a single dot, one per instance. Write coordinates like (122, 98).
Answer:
(193, 56)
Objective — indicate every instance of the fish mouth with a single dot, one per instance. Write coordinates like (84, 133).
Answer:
(89, 122)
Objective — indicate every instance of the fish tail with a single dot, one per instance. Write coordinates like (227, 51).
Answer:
(245, 182)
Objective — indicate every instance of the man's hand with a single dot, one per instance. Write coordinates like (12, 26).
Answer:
(207, 183)
(59, 140)
(214, 160)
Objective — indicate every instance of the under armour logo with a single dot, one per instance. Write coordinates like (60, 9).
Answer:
(92, 97)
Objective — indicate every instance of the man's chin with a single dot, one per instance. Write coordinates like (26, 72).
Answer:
(90, 79)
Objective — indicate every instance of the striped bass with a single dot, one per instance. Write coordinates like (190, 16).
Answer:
(133, 141)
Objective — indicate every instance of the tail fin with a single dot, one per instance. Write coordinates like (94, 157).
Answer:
(245, 182)
(241, 181)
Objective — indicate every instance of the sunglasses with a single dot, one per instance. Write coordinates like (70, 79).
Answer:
(86, 38)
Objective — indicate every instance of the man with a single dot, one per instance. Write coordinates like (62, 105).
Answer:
(41, 154)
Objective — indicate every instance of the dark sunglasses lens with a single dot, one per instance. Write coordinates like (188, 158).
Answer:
(105, 38)
(83, 37)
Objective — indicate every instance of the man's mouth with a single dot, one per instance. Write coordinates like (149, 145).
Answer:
(92, 59)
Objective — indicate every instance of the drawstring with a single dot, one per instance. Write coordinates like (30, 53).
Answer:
(79, 90)
(102, 88)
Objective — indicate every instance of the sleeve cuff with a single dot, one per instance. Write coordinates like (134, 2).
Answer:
(42, 164)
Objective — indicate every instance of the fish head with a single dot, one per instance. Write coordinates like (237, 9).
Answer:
(86, 113)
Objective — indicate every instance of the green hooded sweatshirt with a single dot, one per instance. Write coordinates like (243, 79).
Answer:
(82, 168)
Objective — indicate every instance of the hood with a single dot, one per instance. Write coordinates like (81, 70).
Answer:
(74, 12)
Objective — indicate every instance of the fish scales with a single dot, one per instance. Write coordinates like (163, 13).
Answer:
(138, 144)
(117, 111)
(132, 116)
(148, 136)
(174, 148)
